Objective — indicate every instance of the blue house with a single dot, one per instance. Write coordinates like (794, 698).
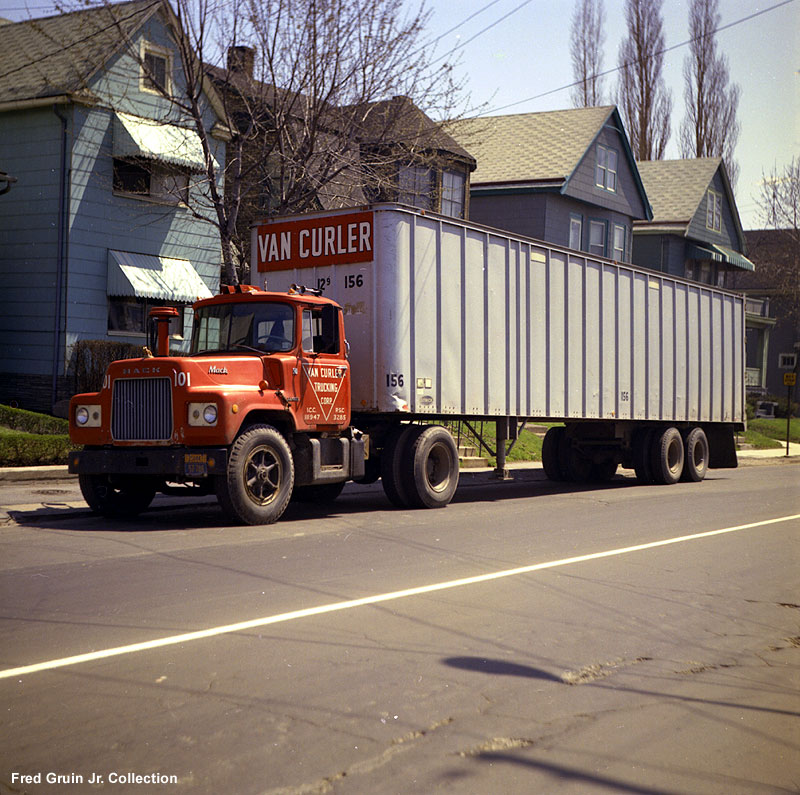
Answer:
(566, 176)
(695, 231)
(106, 217)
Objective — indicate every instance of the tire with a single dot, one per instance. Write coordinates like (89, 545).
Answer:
(696, 455)
(430, 467)
(257, 486)
(322, 494)
(574, 466)
(604, 471)
(550, 453)
(391, 464)
(667, 456)
(372, 471)
(642, 444)
(117, 496)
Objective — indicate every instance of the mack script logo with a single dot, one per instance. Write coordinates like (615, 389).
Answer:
(214, 370)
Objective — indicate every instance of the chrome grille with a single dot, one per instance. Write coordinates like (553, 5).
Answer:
(141, 410)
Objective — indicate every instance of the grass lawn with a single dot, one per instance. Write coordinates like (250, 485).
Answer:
(776, 429)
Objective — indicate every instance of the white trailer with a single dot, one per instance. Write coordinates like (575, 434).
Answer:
(449, 319)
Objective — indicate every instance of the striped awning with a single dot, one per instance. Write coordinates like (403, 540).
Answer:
(148, 276)
(718, 253)
(734, 258)
(135, 136)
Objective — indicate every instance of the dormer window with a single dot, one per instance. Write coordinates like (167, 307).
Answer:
(155, 69)
(606, 171)
(714, 211)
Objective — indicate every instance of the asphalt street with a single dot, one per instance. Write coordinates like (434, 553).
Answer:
(530, 637)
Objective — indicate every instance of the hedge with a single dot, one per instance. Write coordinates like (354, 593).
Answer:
(21, 449)
(31, 422)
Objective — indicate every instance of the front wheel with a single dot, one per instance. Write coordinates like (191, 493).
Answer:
(117, 496)
(257, 485)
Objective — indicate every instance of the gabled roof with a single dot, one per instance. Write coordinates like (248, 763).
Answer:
(530, 147)
(54, 56)
(676, 189)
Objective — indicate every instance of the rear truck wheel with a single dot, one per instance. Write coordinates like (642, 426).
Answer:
(117, 496)
(550, 455)
(667, 456)
(574, 465)
(430, 467)
(392, 458)
(603, 471)
(257, 486)
(695, 455)
(322, 494)
(642, 444)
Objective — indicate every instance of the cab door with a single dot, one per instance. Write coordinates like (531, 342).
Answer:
(324, 370)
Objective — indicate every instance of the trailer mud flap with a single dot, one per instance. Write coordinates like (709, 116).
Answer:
(721, 446)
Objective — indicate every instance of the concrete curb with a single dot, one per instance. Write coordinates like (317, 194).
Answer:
(59, 472)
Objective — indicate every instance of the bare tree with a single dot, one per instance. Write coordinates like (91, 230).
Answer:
(710, 128)
(642, 97)
(587, 37)
(305, 88)
(780, 210)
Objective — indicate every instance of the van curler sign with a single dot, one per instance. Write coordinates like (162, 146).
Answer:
(313, 242)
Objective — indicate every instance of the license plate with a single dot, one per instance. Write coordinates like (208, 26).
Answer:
(195, 465)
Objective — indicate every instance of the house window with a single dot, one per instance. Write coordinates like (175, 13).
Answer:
(453, 183)
(619, 243)
(606, 171)
(714, 211)
(129, 315)
(575, 231)
(155, 69)
(151, 180)
(597, 237)
(415, 187)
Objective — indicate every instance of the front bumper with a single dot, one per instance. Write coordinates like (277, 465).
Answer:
(170, 463)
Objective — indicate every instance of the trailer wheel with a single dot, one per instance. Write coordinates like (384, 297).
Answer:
(667, 456)
(550, 453)
(642, 446)
(430, 467)
(391, 464)
(321, 494)
(604, 471)
(574, 465)
(696, 453)
(117, 496)
(257, 486)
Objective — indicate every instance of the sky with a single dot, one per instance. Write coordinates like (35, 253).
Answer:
(514, 58)
(518, 65)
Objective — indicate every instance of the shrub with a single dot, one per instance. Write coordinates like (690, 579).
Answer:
(90, 360)
(28, 449)
(31, 422)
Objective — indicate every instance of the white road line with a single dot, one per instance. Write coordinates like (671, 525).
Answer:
(367, 600)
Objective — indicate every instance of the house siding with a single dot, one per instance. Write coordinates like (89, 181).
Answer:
(698, 230)
(626, 200)
(97, 220)
(29, 240)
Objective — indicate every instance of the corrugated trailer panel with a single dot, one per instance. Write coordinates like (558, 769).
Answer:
(453, 318)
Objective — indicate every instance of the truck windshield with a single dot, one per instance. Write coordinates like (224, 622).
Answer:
(263, 327)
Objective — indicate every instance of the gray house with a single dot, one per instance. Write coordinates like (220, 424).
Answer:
(102, 222)
(695, 231)
(567, 177)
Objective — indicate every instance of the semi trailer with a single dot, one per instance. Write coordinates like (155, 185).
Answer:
(364, 330)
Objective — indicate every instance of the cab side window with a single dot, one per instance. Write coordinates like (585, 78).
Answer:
(321, 330)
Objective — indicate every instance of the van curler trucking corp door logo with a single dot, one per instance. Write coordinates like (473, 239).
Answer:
(314, 242)
(326, 385)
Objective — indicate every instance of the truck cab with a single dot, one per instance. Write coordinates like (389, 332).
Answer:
(264, 367)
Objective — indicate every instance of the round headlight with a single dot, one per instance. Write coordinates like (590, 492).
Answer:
(210, 414)
(82, 416)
